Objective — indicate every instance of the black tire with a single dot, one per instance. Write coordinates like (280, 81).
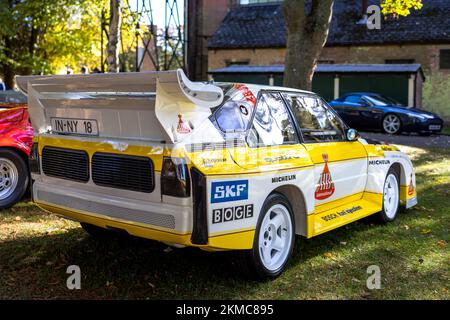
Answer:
(382, 216)
(98, 232)
(14, 159)
(249, 261)
(394, 116)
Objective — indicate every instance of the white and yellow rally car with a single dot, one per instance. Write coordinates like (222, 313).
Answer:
(216, 166)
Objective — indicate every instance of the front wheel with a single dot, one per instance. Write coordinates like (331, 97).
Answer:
(391, 198)
(392, 124)
(274, 239)
(14, 178)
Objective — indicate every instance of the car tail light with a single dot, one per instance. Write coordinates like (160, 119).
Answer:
(175, 180)
(33, 159)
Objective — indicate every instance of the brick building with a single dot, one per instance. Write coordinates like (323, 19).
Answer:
(253, 33)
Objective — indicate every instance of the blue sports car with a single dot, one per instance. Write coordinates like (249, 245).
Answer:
(372, 111)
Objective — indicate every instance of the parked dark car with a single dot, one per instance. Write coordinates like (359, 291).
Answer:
(372, 111)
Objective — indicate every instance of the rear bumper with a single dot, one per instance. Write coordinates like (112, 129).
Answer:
(80, 205)
(429, 125)
(156, 221)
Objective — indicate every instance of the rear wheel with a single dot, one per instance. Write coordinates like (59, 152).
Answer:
(14, 178)
(391, 198)
(274, 239)
(392, 124)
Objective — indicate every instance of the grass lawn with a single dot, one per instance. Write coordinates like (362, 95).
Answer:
(413, 254)
(446, 130)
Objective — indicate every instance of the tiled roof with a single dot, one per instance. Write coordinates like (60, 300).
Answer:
(327, 68)
(263, 26)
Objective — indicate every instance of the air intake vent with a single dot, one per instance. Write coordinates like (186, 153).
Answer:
(123, 172)
(66, 164)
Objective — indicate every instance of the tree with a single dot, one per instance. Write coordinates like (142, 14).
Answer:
(41, 36)
(112, 49)
(307, 33)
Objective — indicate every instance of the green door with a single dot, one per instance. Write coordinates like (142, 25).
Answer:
(394, 86)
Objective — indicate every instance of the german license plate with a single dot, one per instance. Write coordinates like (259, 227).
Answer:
(75, 126)
(434, 127)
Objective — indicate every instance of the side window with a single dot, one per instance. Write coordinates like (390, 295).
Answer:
(353, 99)
(272, 124)
(233, 116)
(318, 123)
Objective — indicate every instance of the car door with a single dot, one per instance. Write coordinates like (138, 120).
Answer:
(340, 166)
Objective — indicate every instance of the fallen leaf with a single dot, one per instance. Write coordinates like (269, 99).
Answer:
(442, 243)
(343, 243)
(425, 231)
(329, 255)
(151, 285)
(18, 218)
(355, 280)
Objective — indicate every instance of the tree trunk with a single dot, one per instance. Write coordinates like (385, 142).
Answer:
(112, 48)
(8, 77)
(307, 34)
(8, 72)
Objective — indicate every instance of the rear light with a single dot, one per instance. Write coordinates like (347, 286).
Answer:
(175, 179)
(33, 159)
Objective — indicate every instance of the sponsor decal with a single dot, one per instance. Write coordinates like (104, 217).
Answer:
(226, 191)
(211, 162)
(411, 186)
(183, 127)
(342, 213)
(232, 213)
(244, 110)
(284, 178)
(379, 162)
(326, 184)
(248, 95)
(281, 158)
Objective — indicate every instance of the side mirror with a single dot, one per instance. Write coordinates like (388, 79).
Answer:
(352, 135)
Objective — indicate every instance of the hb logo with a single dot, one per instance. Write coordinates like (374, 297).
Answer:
(229, 191)
(233, 213)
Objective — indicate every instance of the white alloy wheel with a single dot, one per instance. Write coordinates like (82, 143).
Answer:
(275, 237)
(391, 196)
(9, 177)
(391, 124)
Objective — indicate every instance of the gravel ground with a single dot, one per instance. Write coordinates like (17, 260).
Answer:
(412, 140)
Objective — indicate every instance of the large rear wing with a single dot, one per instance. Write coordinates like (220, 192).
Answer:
(146, 105)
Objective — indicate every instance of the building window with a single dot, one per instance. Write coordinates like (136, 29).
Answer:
(237, 62)
(399, 61)
(245, 2)
(325, 61)
(445, 59)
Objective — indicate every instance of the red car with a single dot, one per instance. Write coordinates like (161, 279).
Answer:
(16, 140)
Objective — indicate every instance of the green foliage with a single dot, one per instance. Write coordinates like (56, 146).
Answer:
(40, 36)
(400, 7)
(43, 37)
(436, 95)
